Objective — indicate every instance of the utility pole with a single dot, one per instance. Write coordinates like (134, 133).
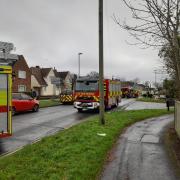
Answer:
(101, 64)
(155, 72)
(158, 71)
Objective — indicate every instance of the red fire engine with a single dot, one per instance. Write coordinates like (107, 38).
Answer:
(86, 94)
(128, 92)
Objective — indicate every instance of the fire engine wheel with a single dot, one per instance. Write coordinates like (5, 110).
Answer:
(13, 111)
(79, 110)
(35, 108)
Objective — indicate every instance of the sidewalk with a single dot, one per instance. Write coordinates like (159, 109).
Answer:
(140, 153)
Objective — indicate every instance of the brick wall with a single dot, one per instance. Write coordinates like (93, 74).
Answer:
(21, 65)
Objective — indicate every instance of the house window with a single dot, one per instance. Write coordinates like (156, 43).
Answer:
(22, 74)
(21, 88)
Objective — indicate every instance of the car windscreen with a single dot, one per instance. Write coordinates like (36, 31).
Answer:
(25, 97)
(86, 86)
(16, 96)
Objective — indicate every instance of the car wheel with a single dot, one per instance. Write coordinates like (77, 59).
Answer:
(36, 108)
(13, 111)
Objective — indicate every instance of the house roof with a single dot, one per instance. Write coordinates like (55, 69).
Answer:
(21, 62)
(63, 75)
(45, 71)
(36, 71)
(20, 58)
(56, 73)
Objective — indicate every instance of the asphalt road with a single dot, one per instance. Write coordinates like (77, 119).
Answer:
(140, 153)
(30, 127)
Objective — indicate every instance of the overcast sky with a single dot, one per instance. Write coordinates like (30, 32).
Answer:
(51, 33)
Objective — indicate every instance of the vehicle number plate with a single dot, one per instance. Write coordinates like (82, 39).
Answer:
(84, 105)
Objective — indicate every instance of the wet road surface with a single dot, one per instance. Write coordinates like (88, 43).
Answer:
(30, 127)
(140, 154)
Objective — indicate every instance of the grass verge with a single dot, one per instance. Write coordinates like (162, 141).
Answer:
(49, 103)
(151, 100)
(76, 153)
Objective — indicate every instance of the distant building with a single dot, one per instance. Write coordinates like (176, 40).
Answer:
(42, 81)
(22, 75)
(37, 80)
(141, 88)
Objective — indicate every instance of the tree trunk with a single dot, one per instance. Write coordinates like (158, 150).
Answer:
(177, 71)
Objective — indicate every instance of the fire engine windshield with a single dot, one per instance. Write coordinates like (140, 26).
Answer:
(86, 86)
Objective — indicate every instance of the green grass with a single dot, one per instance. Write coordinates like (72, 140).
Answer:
(76, 153)
(49, 103)
(151, 100)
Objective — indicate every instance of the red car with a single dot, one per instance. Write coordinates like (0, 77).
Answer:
(22, 102)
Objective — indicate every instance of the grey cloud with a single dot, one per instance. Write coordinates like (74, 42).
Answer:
(52, 32)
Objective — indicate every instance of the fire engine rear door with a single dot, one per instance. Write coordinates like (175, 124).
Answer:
(5, 103)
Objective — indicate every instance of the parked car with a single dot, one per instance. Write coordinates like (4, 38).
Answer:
(22, 102)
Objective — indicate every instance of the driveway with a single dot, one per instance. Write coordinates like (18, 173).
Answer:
(140, 153)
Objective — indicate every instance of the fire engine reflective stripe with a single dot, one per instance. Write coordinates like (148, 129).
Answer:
(6, 70)
(114, 93)
(3, 97)
(66, 98)
(96, 98)
(111, 94)
(105, 89)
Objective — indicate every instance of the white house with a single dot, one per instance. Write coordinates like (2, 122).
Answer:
(41, 81)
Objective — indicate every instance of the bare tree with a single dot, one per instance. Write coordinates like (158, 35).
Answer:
(157, 25)
(158, 87)
(93, 74)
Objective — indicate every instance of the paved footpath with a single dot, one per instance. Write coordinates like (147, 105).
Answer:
(140, 153)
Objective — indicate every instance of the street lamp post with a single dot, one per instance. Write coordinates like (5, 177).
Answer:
(79, 54)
